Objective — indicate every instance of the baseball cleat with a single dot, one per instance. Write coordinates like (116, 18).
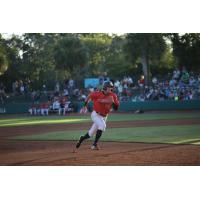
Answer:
(95, 147)
(79, 142)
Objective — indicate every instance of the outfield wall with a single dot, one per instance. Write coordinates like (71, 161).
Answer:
(14, 108)
(159, 105)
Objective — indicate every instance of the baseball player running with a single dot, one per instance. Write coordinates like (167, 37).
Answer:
(103, 102)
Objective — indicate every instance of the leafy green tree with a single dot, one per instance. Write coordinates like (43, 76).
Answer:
(3, 63)
(13, 47)
(38, 58)
(70, 54)
(164, 65)
(145, 46)
(186, 48)
(116, 61)
(97, 45)
(3, 57)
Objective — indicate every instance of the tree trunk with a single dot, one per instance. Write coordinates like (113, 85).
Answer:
(145, 66)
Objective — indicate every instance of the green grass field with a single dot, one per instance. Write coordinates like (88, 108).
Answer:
(162, 134)
(186, 134)
(25, 121)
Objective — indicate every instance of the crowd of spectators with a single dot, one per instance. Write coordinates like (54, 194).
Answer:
(180, 85)
(60, 105)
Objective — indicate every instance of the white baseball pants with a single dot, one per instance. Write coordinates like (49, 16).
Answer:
(99, 123)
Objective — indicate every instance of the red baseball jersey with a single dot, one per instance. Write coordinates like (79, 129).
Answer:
(103, 103)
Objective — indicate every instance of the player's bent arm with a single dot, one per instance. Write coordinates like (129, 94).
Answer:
(87, 101)
(115, 104)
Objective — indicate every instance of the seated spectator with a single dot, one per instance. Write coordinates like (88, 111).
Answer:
(57, 87)
(117, 83)
(120, 89)
(192, 81)
(155, 81)
(82, 97)
(68, 106)
(65, 92)
(141, 97)
(33, 109)
(172, 82)
(62, 108)
(141, 82)
(22, 88)
(198, 79)
(15, 88)
(185, 77)
(176, 74)
(38, 108)
(45, 108)
(129, 81)
(56, 104)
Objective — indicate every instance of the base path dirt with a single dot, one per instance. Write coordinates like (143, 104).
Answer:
(54, 153)
(42, 153)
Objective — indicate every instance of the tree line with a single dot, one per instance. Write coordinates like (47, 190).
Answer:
(45, 58)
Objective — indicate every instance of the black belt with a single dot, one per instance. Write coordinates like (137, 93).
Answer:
(100, 114)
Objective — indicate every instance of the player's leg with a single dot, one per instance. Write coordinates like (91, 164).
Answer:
(101, 126)
(89, 134)
(97, 137)
(81, 139)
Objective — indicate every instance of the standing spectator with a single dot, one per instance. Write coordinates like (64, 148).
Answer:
(82, 96)
(65, 92)
(56, 104)
(120, 88)
(176, 74)
(192, 81)
(198, 79)
(129, 81)
(33, 109)
(141, 82)
(154, 80)
(62, 108)
(45, 108)
(185, 76)
(71, 83)
(57, 87)
(2, 93)
(21, 88)
(14, 88)
(71, 86)
(44, 89)
(117, 83)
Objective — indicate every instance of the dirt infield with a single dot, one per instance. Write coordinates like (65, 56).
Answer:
(44, 153)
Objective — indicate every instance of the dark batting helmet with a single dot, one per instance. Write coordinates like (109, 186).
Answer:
(107, 84)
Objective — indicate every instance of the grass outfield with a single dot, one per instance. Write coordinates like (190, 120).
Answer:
(163, 134)
(24, 121)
